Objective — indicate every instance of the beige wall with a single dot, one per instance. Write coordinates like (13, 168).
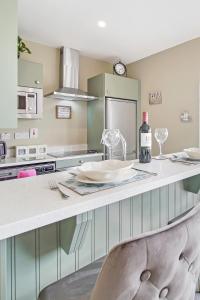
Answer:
(176, 73)
(51, 130)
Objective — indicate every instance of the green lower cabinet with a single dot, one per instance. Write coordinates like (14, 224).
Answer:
(25, 267)
(31, 261)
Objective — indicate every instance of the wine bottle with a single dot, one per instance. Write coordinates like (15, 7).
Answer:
(145, 140)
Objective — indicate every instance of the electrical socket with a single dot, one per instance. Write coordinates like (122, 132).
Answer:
(22, 135)
(155, 97)
(5, 136)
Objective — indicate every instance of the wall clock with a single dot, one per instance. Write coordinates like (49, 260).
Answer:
(120, 69)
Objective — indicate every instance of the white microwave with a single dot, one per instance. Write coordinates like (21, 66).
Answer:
(29, 103)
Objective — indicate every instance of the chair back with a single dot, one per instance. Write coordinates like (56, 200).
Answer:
(163, 264)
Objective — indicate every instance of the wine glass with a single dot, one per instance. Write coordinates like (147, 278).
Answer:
(161, 135)
(110, 138)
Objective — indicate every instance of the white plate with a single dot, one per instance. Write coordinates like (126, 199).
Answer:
(105, 170)
(193, 153)
(129, 174)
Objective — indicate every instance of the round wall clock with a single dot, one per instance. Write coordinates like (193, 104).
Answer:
(120, 69)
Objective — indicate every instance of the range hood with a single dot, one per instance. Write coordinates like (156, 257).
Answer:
(69, 77)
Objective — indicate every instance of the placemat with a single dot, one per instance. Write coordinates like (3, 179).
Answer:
(86, 189)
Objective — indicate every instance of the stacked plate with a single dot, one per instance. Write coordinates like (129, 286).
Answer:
(193, 153)
(108, 171)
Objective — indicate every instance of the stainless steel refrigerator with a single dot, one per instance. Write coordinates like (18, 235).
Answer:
(122, 114)
(113, 113)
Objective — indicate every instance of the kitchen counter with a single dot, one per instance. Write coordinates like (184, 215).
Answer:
(28, 203)
(13, 161)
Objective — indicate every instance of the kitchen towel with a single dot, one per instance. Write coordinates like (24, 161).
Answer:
(192, 184)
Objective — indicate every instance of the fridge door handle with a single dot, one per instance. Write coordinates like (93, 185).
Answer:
(119, 100)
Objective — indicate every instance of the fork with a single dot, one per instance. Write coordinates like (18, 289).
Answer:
(147, 172)
(184, 162)
(54, 187)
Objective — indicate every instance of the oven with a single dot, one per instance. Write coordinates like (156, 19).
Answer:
(7, 173)
(29, 103)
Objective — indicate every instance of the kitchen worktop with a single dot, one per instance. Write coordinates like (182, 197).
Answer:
(28, 203)
(13, 161)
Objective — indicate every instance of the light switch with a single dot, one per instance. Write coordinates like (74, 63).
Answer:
(155, 97)
(5, 136)
(33, 133)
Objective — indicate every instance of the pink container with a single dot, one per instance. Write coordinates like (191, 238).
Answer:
(26, 173)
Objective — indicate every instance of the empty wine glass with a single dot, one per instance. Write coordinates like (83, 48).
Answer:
(161, 135)
(110, 138)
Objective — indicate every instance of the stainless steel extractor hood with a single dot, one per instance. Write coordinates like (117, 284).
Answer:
(69, 77)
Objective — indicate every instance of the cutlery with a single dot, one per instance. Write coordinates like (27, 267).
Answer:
(54, 187)
(187, 159)
(147, 172)
(182, 161)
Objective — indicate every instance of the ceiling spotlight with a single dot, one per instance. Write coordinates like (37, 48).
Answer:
(101, 24)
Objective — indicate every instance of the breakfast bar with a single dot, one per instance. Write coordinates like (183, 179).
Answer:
(44, 237)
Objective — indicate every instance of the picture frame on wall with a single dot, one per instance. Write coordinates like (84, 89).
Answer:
(63, 112)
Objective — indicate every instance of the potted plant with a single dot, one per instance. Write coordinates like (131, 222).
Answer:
(21, 47)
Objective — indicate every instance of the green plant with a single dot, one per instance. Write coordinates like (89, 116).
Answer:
(21, 47)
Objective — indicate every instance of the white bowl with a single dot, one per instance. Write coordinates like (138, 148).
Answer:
(193, 153)
(105, 170)
(126, 176)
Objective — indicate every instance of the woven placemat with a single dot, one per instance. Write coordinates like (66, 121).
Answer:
(86, 189)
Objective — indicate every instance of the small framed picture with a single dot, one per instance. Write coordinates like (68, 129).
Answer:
(63, 112)
(155, 97)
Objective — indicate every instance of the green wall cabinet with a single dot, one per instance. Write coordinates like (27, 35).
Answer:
(8, 63)
(30, 74)
(121, 87)
(109, 85)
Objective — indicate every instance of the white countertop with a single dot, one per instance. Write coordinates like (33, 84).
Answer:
(13, 161)
(27, 204)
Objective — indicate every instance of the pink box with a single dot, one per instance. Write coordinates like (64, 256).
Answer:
(26, 173)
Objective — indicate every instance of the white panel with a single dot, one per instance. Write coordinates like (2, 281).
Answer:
(164, 209)
(125, 207)
(172, 201)
(113, 227)
(136, 215)
(146, 212)
(155, 209)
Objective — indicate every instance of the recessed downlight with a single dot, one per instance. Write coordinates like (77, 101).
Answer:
(101, 24)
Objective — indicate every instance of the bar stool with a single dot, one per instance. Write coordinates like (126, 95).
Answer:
(163, 264)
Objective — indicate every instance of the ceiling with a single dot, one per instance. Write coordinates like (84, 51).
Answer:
(135, 28)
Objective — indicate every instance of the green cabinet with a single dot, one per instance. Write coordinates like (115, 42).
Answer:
(8, 63)
(121, 87)
(30, 74)
(109, 85)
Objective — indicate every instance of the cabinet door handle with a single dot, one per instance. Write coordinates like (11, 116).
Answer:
(81, 161)
(37, 81)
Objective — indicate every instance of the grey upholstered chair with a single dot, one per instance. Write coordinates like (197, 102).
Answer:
(163, 264)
